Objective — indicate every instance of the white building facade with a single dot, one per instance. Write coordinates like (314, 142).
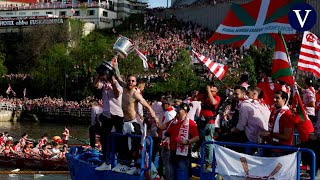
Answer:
(105, 14)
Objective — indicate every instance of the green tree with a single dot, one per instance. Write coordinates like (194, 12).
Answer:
(3, 68)
(182, 78)
(51, 69)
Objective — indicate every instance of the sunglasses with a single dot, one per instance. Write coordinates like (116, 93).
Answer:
(131, 80)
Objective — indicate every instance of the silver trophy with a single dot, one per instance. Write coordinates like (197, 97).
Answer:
(123, 46)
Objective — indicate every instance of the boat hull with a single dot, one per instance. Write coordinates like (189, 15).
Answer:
(36, 164)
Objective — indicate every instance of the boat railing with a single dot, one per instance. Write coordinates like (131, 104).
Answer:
(78, 112)
(8, 107)
(210, 175)
(143, 153)
(81, 167)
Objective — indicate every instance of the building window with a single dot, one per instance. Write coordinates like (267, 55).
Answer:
(49, 12)
(105, 13)
(91, 12)
(62, 13)
(35, 13)
(22, 13)
(76, 13)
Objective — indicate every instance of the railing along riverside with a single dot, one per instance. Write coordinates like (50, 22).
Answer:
(78, 112)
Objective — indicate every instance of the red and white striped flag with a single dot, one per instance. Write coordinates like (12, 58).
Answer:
(219, 70)
(144, 59)
(309, 59)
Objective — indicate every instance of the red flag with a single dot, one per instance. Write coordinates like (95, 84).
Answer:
(281, 68)
(297, 103)
(219, 70)
(301, 119)
(309, 58)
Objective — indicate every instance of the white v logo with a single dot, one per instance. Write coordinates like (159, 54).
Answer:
(299, 17)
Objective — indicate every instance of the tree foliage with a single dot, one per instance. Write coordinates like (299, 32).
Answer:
(182, 80)
(51, 69)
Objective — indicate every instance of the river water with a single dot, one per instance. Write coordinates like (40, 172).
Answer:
(35, 130)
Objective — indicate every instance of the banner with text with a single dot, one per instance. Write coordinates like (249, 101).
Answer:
(30, 22)
(256, 22)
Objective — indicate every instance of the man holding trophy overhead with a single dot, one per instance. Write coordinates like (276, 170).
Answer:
(112, 114)
(130, 98)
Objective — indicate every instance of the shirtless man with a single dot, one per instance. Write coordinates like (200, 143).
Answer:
(130, 99)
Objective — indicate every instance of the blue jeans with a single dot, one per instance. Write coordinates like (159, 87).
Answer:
(208, 150)
(179, 167)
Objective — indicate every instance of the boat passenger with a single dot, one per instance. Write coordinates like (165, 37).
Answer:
(55, 150)
(65, 135)
(35, 152)
(27, 150)
(23, 139)
(5, 136)
(1, 140)
(43, 140)
(62, 155)
(7, 149)
(46, 153)
(16, 148)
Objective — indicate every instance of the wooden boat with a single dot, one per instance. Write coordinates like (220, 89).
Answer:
(35, 164)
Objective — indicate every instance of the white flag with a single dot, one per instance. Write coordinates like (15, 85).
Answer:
(234, 165)
(24, 92)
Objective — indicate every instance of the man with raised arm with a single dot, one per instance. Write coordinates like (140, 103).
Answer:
(130, 99)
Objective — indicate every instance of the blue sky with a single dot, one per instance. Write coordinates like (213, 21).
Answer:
(158, 3)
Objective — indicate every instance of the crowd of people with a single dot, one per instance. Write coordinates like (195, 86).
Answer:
(259, 114)
(15, 76)
(29, 148)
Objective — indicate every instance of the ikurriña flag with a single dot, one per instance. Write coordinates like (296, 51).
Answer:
(256, 22)
(281, 66)
(219, 70)
(309, 58)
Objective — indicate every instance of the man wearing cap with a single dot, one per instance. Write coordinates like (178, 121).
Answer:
(182, 133)
(167, 119)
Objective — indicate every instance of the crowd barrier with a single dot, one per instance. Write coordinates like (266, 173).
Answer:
(78, 112)
(210, 175)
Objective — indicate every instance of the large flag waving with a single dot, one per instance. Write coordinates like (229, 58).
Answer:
(281, 68)
(256, 22)
(309, 59)
(219, 70)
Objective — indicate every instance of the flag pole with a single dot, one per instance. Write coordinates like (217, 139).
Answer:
(285, 47)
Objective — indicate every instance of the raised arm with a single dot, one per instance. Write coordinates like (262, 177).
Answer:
(144, 103)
